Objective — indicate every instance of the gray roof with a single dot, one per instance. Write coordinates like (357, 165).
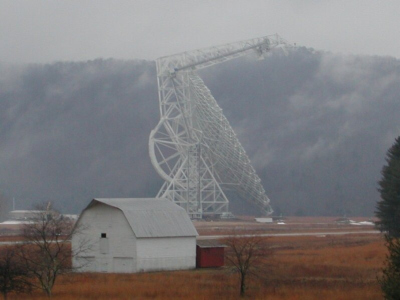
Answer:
(153, 217)
(210, 244)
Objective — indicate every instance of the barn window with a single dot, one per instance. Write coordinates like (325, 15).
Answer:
(103, 235)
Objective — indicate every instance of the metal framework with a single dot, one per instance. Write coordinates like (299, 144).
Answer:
(193, 147)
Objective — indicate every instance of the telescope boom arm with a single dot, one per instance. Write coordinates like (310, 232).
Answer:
(200, 59)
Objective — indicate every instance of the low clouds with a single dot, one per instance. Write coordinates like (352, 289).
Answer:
(315, 125)
(75, 130)
(321, 124)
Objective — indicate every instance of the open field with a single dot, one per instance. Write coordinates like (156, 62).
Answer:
(243, 225)
(305, 267)
(247, 225)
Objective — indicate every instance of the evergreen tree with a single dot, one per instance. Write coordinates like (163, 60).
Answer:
(388, 208)
(390, 280)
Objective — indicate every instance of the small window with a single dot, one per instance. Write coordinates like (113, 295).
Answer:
(103, 235)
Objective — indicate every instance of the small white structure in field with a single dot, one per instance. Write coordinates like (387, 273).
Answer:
(264, 220)
(134, 235)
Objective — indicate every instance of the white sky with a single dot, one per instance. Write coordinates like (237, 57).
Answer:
(47, 31)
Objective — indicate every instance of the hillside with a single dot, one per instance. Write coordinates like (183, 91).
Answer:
(315, 125)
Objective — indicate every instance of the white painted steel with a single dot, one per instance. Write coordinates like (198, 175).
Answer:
(193, 147)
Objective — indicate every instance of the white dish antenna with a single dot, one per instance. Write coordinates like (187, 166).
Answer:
(193, 147)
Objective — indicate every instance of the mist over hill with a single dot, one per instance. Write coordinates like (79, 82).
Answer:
(315, 125)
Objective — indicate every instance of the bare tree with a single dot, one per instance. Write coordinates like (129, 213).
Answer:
(47, 251)
(13, 277)
(246, 255)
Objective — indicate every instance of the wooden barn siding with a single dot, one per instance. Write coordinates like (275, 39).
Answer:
(172, 253)
(121, 241)
(209, 257)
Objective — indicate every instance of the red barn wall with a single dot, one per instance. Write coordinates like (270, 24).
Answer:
(209, 257)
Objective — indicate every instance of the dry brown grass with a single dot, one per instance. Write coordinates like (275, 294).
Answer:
(331, 267)
(304, 268)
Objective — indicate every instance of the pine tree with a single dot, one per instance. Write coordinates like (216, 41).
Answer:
(388, 208)
(390, 280)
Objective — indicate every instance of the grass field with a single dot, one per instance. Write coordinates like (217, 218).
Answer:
(324, 267)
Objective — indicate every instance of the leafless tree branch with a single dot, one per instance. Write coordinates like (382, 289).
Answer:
(47, 252)
(246, 254)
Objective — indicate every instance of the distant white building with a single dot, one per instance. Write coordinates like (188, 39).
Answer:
(134, 235)
(28, 216)
(23, 215)
(264, 220)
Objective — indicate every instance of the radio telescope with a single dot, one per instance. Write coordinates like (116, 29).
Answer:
(193, 147)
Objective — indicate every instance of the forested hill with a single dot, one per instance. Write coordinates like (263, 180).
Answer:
(315, 125)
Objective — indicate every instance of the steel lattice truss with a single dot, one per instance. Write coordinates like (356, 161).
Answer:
(193, 147)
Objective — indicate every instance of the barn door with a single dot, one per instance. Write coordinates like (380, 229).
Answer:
(123, 265)
(103, 266)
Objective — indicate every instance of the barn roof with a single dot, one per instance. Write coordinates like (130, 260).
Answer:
(152, 217)
(210, 244)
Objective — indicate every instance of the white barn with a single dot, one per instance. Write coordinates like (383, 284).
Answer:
(134, 235)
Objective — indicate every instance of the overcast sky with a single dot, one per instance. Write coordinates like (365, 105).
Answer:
(48, 31)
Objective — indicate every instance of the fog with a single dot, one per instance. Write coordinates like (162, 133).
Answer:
(315, 125)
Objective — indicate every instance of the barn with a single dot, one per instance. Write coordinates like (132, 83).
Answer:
(133, 235)
(209, 254)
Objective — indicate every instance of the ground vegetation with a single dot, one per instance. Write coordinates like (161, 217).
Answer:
(245, 256)
(390, 279)
(46, 252)
(13, 277)
(313, 268)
